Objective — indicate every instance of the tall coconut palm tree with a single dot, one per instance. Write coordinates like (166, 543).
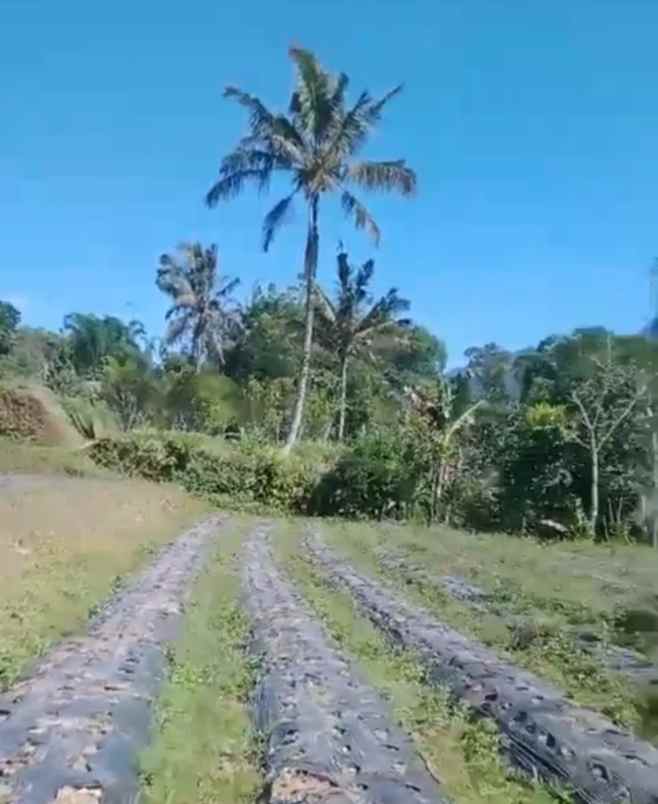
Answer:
(348, 324)
(202, 312)
(315, 145)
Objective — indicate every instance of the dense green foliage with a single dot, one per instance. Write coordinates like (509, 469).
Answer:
(249, 474)
(509, 442)
(10, 318)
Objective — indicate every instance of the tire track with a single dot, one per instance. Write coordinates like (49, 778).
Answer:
(70, 733)
(542, 732)
(328, 737)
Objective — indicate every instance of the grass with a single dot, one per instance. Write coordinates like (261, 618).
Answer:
(26, 458)
(462, 753)
(66, 543)
(205, 751)
(589, 581)
(546, 647)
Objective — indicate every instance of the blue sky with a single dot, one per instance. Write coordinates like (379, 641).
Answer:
(533, 128)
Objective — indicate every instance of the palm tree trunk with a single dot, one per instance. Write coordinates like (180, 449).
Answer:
(342, 412)
(197, 356)
(310, 268)
(654, 513)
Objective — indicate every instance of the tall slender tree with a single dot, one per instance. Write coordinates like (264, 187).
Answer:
(602, 404)
(315, 145)
(202, 312)
(349, 323)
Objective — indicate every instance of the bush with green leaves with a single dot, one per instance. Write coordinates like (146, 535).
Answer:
(148, 456)
(258, 475)
(373, 479)
(538, 469)
(90, 416)
(204, 402)
(243, 475)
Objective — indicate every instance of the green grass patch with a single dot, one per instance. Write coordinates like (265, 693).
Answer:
(24, 457)
(460, 751)
(66, 544)
(584, 582)
(204, 749)
(546, 648)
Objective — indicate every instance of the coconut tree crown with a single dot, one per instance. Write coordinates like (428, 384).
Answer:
(352, 319)
(348, 324)
(316, 144)
(202, 309)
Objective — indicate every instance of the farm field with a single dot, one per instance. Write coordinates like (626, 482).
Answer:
(584, 616)
(258, 606)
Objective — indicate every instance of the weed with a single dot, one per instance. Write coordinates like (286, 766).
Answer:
(204, 747)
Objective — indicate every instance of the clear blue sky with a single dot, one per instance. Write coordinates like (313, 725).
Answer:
(533, 128)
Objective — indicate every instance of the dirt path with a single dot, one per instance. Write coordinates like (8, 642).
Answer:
(70, 732)
(329, 737)
(543, 733)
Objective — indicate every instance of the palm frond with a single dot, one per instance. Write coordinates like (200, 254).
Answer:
(338, 95)
(178, 328)
(355, 125)
(227, 287)
(312, 100)
(363, 277)
(344, 272)
(362, 218)
(351, 129)
(384, 176)
(260, 118)
(231, 185)
(324, 305)
(383, 312)
(246, 157)
(280, 148)
(213, 344)
(373, 114)
(275, 218)
(171, 279)
(285, 138)
(183, 301)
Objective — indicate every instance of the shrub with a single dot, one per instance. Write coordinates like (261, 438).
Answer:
(208, 402)
(370, 480)
(143, 455)
(243, 475)
(92, 418)
(130, 391)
